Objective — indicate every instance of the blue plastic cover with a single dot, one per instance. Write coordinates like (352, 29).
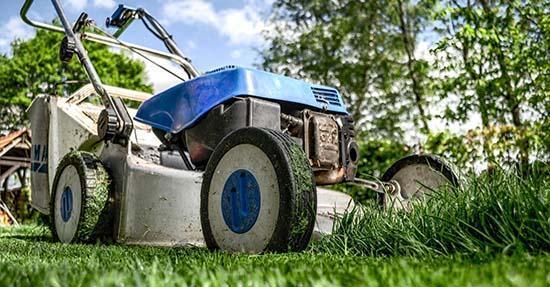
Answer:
(184, 104)
(66, 207)
(241, 201)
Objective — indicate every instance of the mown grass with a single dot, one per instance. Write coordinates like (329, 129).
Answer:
(493, 232)
(28, 258)
(497, 213)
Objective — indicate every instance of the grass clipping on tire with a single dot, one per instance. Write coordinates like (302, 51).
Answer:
(94, 222)
(303, 178)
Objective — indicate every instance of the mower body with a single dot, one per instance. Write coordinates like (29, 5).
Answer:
(154, 199)
(231, 158)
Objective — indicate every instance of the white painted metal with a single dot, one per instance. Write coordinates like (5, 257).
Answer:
(88, 89)
(66, 231)
(61, 125)
(39, 116)
(416, 181)
(69, 129)
(330, 205)
(254, 160)
(160, 205)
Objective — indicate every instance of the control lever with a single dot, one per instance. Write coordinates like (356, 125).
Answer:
(68, 46)
(115, 122)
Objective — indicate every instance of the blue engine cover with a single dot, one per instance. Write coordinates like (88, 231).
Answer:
(184, 104)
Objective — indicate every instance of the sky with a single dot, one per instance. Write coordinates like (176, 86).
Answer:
(212, 33)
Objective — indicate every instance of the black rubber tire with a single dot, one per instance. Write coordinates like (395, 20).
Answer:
(95, 219)
(297, 198)
(435, 162)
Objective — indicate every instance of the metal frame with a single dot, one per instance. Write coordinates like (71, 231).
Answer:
(87, 90)
(113, 42)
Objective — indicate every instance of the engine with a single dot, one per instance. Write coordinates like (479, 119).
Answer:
(328, 139)
(329, 142)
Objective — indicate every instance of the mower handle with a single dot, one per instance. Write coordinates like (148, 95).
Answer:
(109, 41)
(114, 121)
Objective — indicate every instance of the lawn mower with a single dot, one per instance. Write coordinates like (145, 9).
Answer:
(231, 158)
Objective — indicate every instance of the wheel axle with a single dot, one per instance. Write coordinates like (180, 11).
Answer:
(391, 187)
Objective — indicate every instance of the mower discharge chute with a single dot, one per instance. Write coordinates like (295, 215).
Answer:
(231, 158)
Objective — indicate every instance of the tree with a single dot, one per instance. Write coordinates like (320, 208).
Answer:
(494, 58)
(365, 49)
(412, 18)
(34, 68)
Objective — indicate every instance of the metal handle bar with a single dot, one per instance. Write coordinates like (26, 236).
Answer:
(116, 121)
(108, 41)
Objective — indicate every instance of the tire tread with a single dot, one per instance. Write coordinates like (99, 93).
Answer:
(95, 217)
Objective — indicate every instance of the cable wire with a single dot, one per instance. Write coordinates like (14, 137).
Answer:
(140, 53)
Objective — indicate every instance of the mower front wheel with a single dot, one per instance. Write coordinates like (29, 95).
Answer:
(258, 194)
(79, 207)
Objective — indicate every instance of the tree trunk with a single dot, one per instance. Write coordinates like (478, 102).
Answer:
(485, 122)
(481, 99)
(509, 92)
(409, 45)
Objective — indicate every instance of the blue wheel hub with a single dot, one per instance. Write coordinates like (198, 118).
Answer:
(66, 204)
(241, 201)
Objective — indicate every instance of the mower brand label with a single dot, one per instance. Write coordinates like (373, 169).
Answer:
(39, 161)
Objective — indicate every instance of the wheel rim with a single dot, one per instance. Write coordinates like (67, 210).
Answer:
(241, 201)
(67, 204)
(418, 180)
(254, 231)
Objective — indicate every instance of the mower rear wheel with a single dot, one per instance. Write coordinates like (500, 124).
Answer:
(79, 207)
(418, 176)
(258, 194)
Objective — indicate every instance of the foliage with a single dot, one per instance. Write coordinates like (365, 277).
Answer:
(34, 68)
(30, 259)
(462, 151)
(494, 213)
(363, 48)
(23, 211)
(466, 151)
(493, 56)
(489, 60)
(378, 155)
(17, 200)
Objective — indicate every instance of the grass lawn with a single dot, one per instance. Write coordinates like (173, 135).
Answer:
(495, 231)
(28, 258)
